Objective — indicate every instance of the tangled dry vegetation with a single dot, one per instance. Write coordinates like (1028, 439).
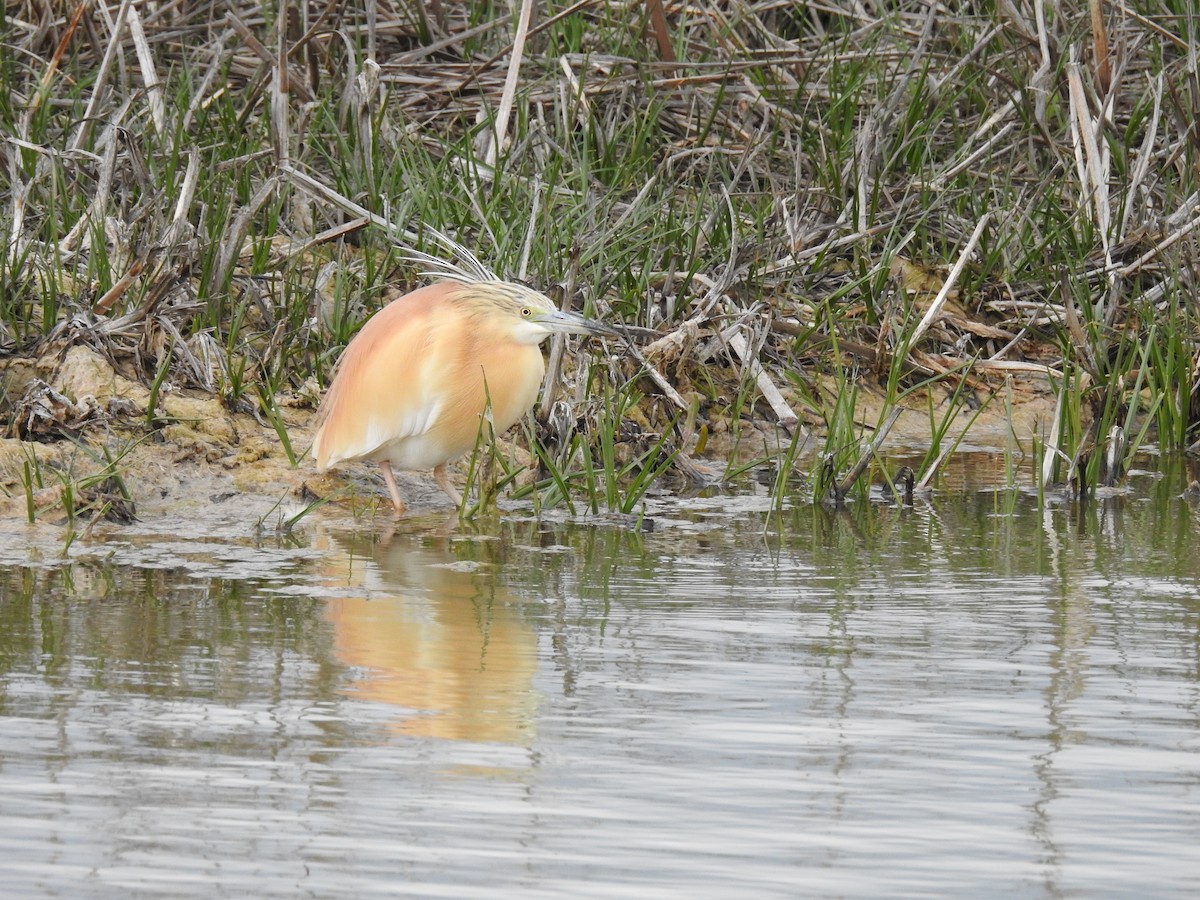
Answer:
(785, 204)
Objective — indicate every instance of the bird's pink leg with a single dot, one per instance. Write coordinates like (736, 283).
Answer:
(442, 477)
(390, 479)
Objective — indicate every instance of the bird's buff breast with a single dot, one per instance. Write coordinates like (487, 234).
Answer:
(505, 379)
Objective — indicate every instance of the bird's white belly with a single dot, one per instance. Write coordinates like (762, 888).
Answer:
(418, 452)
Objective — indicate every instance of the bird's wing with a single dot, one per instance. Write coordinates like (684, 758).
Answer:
(386, 387)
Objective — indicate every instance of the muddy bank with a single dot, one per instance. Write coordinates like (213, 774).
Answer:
(87, 440)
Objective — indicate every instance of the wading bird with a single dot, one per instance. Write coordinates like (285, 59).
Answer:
(412, 387)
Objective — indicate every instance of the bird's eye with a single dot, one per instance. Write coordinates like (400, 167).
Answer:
(526, 312)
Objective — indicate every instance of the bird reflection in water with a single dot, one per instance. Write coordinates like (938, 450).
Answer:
(437, 636)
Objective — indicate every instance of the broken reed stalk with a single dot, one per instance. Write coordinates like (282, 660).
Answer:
(558, 343)
(507, 96)
(662, 32)
(935, 308)
(868, 452)
(1100, 47)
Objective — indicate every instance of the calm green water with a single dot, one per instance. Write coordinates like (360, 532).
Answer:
(966, 698)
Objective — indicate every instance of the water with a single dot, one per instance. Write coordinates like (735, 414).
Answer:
(965, 698)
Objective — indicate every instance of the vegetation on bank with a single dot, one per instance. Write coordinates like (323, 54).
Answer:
(785, 205)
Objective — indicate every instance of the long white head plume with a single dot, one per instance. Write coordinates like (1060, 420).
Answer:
(469, 269)
(466, 267)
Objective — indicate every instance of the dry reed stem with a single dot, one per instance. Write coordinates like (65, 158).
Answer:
(662, 32)
(99, 92)
(113, 294)
(869, 452)
(935, 308)
(145, 57)
(779, 406)
(508, 94)
(281, 90)
(187, 191)
(1100, 47)
(1091, 159)
(235, 237)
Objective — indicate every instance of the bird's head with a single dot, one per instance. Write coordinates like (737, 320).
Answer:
(523, 314)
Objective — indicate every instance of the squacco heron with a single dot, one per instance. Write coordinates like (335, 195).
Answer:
(412, 386)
